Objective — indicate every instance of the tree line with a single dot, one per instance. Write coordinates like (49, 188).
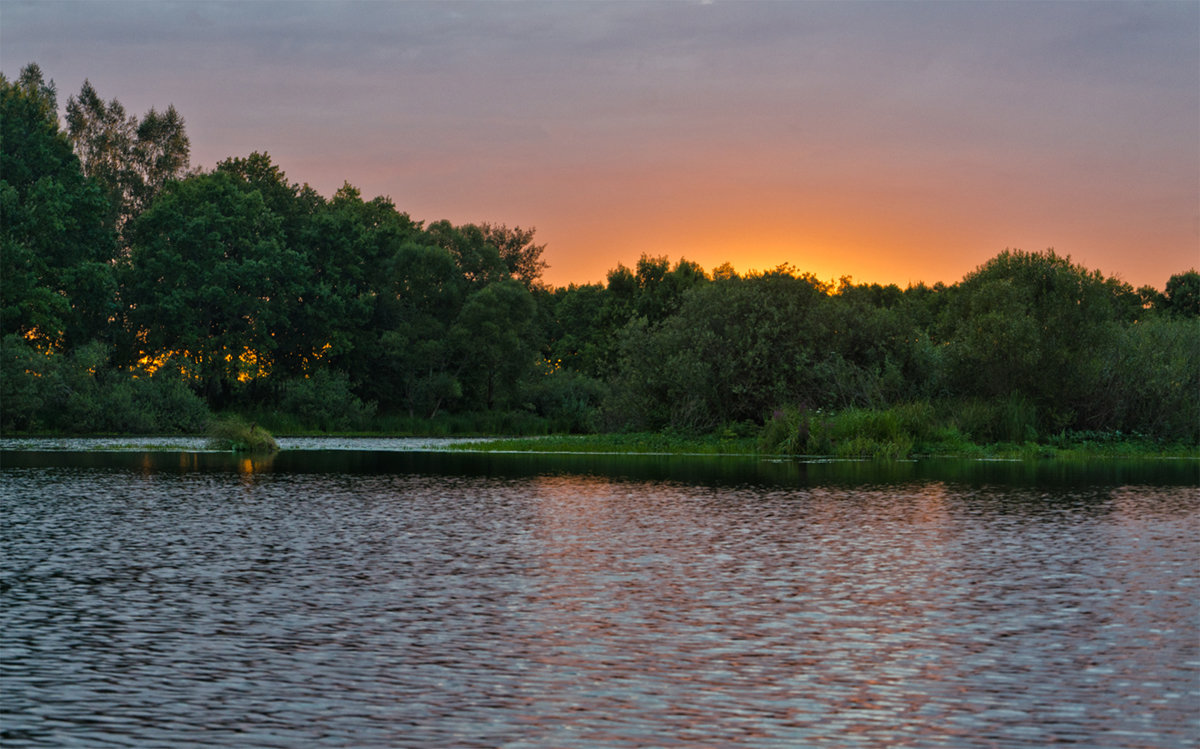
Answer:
(138, 294)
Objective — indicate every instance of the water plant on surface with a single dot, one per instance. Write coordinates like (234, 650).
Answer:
(234, 434)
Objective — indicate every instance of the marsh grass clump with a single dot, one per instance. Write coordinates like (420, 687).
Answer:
(1013, 419)
(853, 433)
(238, 436)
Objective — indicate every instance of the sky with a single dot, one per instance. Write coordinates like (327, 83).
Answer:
(894, 142)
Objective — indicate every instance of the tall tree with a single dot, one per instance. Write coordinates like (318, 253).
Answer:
(55, 283)
(210, 280)
(417, 366)
(518, 251)
(1032, 325)
(1182, 296)
(492, 334)
(478, 259)
(131, 160)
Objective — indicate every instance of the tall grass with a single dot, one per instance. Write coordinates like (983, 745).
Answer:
(234, 434)
(894, 432)
(1013, 419)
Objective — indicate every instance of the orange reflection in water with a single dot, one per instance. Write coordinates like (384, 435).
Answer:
(702, 594)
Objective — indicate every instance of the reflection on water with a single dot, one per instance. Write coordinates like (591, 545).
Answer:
(391, 456)
(159, 603)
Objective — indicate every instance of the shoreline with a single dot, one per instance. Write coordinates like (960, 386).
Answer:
(616, 444)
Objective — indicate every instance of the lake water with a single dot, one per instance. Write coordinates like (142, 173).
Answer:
(383, 597)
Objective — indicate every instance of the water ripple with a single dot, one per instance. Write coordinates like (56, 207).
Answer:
(278, 609)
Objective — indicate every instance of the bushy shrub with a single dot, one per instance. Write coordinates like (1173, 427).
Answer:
(1149, 381)
(324, 401)
(569, 400)
(785, 432)
(169, 405)
(22, 384)
(79, 393)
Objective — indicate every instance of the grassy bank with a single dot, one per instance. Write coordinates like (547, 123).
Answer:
(626, 443)
(971, 429)
(647, 442)
(1006, 428)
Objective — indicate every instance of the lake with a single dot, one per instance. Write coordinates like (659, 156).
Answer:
(375, 593)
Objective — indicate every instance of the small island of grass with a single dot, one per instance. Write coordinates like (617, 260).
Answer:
(236, 435)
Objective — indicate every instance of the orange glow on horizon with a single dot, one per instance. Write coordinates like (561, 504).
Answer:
(886, 237)
(867, 255)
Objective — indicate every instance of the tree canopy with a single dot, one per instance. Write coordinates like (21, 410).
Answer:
(123, 273)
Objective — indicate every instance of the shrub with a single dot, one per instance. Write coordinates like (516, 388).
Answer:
(568, 400)
(169, 406)
(23, 390)
(324, 401)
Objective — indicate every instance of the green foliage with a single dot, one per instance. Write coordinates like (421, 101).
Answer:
(325, 401)
(1032, 324)
(81, 393)
(210, 278)
(169, 405)
(521, 257)
(579, 334)
(232, 433)
(737, 346)
(132, 161)
(854, 432)
(1182, 294)
(492, 340)
(55, 245)
(22, 389)
(1012, 419)
(568, 400)
(1149, 380)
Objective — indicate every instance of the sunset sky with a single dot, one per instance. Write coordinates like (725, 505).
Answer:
(893, 142)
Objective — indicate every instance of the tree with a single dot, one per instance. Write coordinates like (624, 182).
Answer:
(494, 345)
(735, 349)
(576, 335)
(520, 255)
(210, 280)
(417, 365)
(1032, 325)
(161, 153)
(1182, 294)
(131, 160)
(661, 287)
(55, 283)
(478, 259)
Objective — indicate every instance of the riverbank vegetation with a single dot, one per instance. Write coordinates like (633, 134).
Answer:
(235, 435)
(138, 295)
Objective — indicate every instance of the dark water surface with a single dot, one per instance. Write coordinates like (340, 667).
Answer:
(376, 599)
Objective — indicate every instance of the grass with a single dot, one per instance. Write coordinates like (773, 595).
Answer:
(900, 432)
(859, 447)
(234, 434)
(621, 443)
(964, 429)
